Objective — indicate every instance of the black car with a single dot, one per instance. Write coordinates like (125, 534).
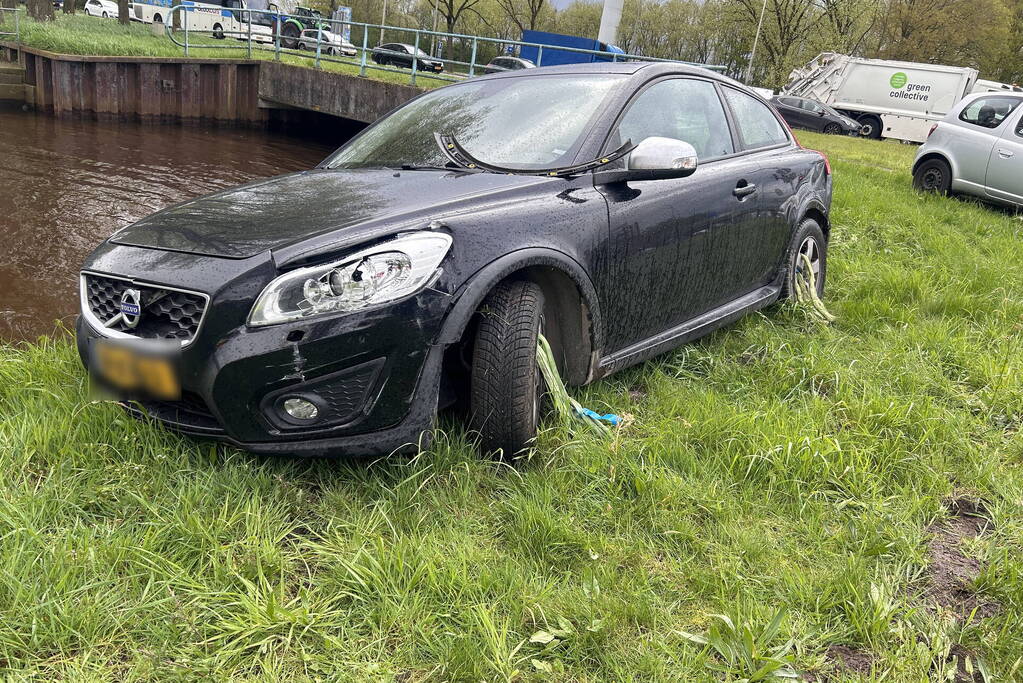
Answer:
(499, 64)
(400, 54)
(619, 209)
(802, 112)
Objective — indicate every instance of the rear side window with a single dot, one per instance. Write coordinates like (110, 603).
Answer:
(681, 108)
(989, 112)
(758, 126)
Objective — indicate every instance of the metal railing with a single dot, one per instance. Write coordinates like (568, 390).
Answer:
(6, 13)
(268, 37)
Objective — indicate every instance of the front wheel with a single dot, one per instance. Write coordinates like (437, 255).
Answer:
(833, 129)
(505, 385)
(157, 19)
(218, 31)
(933, 175)
(871, 127)
(808, 241)
(104, 15)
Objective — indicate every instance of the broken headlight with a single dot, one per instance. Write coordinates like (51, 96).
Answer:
(388, 271)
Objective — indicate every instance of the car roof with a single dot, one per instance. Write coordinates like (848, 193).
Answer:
(641, 69)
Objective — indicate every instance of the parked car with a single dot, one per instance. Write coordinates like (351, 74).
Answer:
(976, 149)
(802, 112)
(618, 209)
(101, 8)
(400, 54)
(330, 43)
(505, 63)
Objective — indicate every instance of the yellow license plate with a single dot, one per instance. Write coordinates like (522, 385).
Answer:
(131, 371)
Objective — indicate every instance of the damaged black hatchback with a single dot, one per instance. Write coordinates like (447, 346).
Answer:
(619, 209)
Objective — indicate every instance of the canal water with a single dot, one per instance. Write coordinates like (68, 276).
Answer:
(66, 185)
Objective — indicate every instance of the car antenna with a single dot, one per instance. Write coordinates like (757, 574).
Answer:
(456, 153)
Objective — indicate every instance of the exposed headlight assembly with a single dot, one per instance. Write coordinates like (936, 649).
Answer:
(388, 271)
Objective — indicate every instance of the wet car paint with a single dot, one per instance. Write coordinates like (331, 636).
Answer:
(615, 244)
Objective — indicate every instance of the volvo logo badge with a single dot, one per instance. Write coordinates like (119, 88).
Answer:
(131, 307)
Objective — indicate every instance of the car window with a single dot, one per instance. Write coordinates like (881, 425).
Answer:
(1019, 128)
(681, 108)
(758, 126)
(811, 106)
(989, 112)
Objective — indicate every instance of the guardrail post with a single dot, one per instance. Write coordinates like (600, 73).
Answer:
(248, 44)
(17, 26)
(319, 41)
(472, 60)
(277, 39)
(365, 44)
(539, 55)
(415, 59)
(184, 25)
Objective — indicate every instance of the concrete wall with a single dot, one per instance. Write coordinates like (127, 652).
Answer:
(164, 90)
(350, 97)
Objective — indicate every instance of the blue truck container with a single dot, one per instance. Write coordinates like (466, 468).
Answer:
(552, 55)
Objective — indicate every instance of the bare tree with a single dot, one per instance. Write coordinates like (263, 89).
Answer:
(525, 14)
(452, 10)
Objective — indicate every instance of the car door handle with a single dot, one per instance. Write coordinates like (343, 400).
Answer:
(743, 189)
(1005, 154)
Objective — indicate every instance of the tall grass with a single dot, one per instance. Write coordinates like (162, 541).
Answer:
(80, 34)
(779, 466)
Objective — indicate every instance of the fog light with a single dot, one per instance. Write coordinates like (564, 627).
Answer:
(301, 409)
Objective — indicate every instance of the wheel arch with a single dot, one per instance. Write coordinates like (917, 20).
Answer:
(816, 210)
(934, 155)
(571, 310)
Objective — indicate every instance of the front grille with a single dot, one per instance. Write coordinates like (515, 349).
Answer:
(164, 314)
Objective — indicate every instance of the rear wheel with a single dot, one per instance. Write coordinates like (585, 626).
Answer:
(218, 31)
(289, 35)
(871, 127)
(933, 175)
(505, 386)
(157, 19)
(104, 15)
(833, 129)
(809, 241)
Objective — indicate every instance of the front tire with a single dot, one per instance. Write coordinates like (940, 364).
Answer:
(505, 385)
(933, 175)
(833, 129)
(871, 127)
(218, 31)
(809, 240)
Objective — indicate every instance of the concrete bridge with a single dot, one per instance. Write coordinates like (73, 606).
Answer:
(248, 92)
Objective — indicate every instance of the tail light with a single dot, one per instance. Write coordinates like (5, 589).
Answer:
(933, 128)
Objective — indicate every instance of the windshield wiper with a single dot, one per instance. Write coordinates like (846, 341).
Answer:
(457, 154)
(429, 167)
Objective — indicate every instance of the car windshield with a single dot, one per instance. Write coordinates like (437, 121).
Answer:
(527, 123)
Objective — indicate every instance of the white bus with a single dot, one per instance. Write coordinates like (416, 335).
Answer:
(218, 18)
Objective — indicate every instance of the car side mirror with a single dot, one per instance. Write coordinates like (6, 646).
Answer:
(655, 158)
(821, 113)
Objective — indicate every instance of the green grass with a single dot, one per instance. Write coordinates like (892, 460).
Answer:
(778, 467)
(79, 34)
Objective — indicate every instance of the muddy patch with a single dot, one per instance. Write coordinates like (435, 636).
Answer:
(841, 660)
(960, 655)
(637, 392)
(950, 572)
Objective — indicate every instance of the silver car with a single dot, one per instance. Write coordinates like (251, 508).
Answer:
(976, 149)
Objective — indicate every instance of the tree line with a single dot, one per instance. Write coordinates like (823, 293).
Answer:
(983, 34)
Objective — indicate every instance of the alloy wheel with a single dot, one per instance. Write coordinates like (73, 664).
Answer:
(812, 251)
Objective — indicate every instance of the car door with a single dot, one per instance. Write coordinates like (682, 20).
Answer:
(1005, 166)
(758, 251)
(660, 267)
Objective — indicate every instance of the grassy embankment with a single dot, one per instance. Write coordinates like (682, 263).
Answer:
(84, 35)
(777, 465)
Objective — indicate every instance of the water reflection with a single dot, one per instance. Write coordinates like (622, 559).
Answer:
(67, 185)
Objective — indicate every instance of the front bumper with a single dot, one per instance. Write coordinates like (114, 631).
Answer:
(376, 375)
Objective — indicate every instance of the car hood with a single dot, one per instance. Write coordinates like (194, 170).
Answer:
(244, 221)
